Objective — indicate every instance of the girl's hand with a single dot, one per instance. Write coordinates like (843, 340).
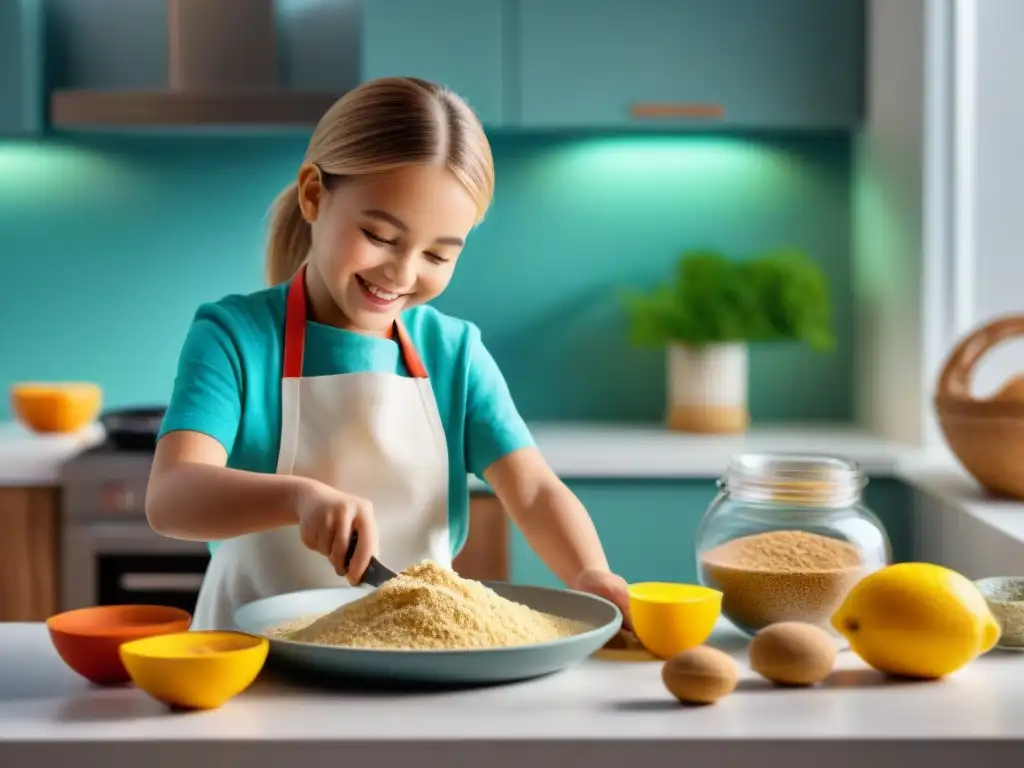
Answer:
(327, 518)
(608, 585)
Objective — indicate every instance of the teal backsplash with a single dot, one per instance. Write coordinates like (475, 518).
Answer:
(108, 244)
(649, 527)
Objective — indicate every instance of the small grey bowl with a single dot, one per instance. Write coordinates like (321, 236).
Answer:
(1005, 598)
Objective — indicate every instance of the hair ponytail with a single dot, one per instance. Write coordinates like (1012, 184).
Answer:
(290, 237)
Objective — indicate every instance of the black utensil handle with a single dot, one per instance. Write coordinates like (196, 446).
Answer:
(375, 573)
(353, 540)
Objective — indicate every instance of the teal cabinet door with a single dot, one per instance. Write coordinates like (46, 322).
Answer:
(22, 87)
(784, 64)
(648, 528)
(893, 502)
(459, 43)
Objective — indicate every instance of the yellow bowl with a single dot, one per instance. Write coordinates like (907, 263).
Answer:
(58, 407)
(195, 670)
(672, 618)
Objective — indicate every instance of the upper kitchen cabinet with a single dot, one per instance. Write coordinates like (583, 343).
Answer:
(784, 64)
(459, 43)
(185, 64)
(22, 87)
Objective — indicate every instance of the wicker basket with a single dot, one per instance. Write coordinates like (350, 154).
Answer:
(986, 435)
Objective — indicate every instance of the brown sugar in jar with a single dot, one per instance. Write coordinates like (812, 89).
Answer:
(787, 538)
(788, 575)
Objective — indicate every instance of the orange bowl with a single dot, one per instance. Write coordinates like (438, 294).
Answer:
(89, 639)
(60, 407)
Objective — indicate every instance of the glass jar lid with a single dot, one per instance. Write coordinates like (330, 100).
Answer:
(796, 479)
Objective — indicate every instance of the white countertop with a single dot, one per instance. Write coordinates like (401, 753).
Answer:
(604, 701)
(598, 713)
(953, 485)
(632, 452)
(28, 459)
(624, 451)
(652, 451)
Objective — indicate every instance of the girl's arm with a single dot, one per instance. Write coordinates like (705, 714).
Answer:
(554, 522)
(192, 495)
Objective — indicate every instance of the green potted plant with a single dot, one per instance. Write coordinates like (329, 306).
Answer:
(708, 314)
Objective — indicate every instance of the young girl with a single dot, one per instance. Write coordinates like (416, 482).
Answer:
(337, 401)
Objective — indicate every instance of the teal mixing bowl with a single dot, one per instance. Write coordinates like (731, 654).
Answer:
(439, 667)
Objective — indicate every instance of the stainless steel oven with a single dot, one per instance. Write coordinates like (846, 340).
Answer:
(110, 555)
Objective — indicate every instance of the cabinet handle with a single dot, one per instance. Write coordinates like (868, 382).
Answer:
(648, 110)
(170, 582)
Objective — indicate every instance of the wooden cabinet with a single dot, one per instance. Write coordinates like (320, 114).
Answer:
(460, 43)
(485, 555)
(22, 87)
(650, 63)
(29, 553)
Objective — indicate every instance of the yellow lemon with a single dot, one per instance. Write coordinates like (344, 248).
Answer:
(916, 620)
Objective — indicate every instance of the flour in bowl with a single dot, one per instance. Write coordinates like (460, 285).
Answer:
(430, 607)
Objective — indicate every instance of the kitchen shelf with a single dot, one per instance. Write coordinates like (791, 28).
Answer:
(98, 109)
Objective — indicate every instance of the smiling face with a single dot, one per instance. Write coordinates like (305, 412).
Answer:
(382, 244)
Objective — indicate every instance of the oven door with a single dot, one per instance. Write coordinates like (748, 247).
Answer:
(119, 563)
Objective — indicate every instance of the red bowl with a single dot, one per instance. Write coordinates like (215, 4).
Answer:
(89, 639)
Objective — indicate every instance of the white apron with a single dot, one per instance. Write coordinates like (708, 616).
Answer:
(374, 435)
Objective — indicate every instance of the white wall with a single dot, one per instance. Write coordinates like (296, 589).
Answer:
(902, 217)
(991, 172)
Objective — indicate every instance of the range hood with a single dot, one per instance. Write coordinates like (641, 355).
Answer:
(222, 71)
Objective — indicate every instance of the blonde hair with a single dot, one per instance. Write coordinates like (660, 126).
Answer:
(383, 126)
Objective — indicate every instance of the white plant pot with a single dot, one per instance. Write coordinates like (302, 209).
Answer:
(707, 388)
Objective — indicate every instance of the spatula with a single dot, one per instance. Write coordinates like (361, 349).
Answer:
(376, 572)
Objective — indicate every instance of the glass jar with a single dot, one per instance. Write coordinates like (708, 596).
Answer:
(786, 539)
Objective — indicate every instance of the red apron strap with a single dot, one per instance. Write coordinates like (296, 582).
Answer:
(295, 333)
(295, 326)
(409, 353)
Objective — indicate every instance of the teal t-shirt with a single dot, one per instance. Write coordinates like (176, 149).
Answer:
(228, 385)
